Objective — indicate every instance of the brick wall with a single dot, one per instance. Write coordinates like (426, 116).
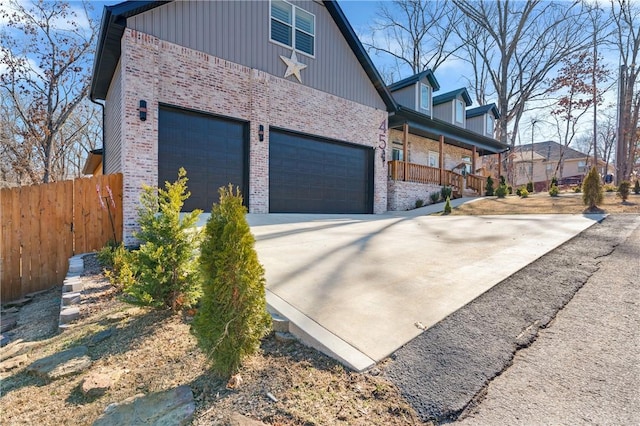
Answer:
(403, 195)
(161, 72)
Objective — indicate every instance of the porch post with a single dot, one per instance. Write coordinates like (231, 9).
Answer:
(441, 159)
(405, 141)
(499, 165)
(473, 160)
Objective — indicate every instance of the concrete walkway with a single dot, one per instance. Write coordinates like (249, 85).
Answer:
(358, 287)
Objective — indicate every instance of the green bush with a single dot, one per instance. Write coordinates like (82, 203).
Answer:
(610, 188)
(489, 187)
(509, 189)
(636, 187)
(447, 206)
(232, 317)
(119, 265)
(554, 181)
(434, 197)
(166, 265)
(419, 203)
(554, 191)
(524, 192)
(503, 181)
(577, 189)
(502, 191)
(445, 192)
(529, 188)
(624, 189)
(518, 191)
(592, 190)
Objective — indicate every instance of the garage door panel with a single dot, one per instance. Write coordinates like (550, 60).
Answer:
(211, 149)
(314, 175)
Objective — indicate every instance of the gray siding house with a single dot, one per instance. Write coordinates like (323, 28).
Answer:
(482, 119)
(277, 97)
(451, 106)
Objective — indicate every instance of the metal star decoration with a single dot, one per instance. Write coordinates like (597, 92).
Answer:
(293, 66)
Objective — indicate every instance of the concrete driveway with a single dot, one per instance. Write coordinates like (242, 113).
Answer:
(358, 287)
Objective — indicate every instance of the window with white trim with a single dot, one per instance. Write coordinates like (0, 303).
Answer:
(459, 111)
(467, 163)
(293, 27)
(489, 125)
(434, 159)
(425, 97)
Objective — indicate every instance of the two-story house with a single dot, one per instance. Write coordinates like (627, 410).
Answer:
(435, 142)
(277, 97)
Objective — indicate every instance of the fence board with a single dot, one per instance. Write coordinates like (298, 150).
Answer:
(43, 225)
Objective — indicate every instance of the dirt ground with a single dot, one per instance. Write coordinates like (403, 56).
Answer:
(565, 203)
(153, 351)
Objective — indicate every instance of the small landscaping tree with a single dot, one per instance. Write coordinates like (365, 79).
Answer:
(445, 192)
(636, 187)
(553, 191)
(592, 190)
(447, 206)
(232, 317)
(524, 192)
(529, 187)
(624, 189)
(489, 188)
(554, 181)
(502, 190)
(165, 265)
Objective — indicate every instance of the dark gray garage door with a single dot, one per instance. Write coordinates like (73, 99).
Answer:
(212, 150)
(314, 175)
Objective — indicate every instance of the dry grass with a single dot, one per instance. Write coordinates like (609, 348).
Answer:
(542, 203)
(155, 351)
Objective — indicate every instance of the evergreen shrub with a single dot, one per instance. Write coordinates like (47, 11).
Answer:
(447, 206)
(232, 317)
(554, 191)
(502, 191)
(165, 266)
(529, 187)
(489, 187)
(624, 189)
(445, 192)
(636, 187)
(592, 190)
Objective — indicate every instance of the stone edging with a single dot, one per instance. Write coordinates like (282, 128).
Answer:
(71, 288)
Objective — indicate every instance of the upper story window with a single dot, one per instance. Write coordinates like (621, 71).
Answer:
(489, 125)
(425, 97)
(293, 27)
(459, 111)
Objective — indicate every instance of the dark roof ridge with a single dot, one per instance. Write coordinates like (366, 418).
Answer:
(446, 97)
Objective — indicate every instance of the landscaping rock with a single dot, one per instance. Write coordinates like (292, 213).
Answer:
(96, 384)
(18, 303)
(62, 364)
(13, 363)
(100, 336)
(238, 419)
(11, 310)
(4, 340)
(8, 322)
(285, 337)
(172, 407)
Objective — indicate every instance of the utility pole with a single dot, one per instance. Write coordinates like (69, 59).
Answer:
(621, 152)
(533, 123)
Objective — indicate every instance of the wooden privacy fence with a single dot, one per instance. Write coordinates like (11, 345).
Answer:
(44, 225)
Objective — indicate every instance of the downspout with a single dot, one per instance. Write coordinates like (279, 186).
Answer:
(104, 151)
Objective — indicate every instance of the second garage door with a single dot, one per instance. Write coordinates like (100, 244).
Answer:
(315, 175)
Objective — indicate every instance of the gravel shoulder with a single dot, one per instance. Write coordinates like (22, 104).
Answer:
(447, 369)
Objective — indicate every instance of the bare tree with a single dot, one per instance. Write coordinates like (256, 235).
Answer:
(626, 17)
(577, 82)
(45, 58)
(417, 34)
(523, 43)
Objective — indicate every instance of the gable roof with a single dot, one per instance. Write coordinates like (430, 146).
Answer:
(428, 74)
(449, 96)
(114, 22)
(551, 150)
(484, 109)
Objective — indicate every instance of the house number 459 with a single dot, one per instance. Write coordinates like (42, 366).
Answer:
(382, 140)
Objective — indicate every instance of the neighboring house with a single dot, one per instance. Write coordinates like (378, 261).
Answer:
(93, 164)
(546, 156)
(276, 97)
(430, 145)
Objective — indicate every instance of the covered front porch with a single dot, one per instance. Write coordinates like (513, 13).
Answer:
(428, 154)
